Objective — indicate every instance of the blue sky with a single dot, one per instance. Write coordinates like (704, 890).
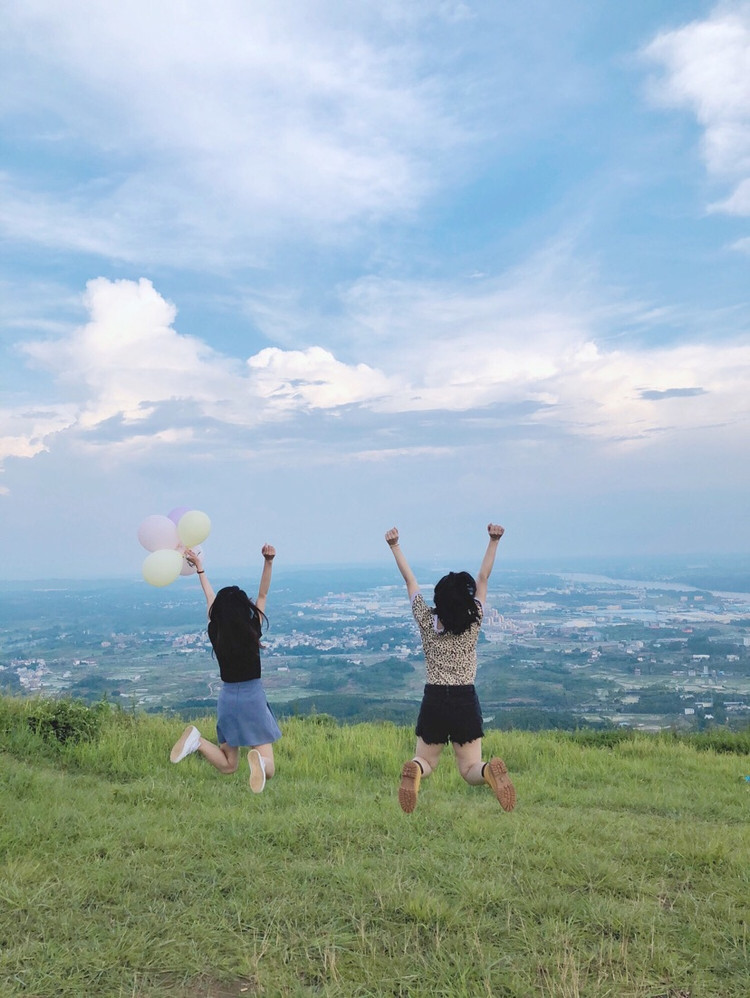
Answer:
(319, 269)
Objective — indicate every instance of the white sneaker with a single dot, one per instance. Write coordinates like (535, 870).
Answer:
(257, 765)
(186, 744)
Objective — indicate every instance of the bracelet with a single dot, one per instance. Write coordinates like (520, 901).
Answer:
(201, 572)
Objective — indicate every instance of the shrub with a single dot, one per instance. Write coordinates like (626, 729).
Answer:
(66, 720)
(721, 740)
(602, 739)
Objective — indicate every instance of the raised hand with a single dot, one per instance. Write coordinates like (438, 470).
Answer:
(193, 559)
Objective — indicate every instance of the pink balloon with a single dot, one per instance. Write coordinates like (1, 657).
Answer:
(178, 512)
(158, 532)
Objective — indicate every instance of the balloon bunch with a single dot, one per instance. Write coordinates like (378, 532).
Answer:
(166, 537)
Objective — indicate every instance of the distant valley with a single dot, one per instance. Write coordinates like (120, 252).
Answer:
(562, 648)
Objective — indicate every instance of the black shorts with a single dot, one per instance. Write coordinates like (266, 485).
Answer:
(449, 714)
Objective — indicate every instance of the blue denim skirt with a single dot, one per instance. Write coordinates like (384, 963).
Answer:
(243, 715)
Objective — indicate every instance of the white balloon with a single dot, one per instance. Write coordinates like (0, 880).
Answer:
(157, 532)
(162, 567)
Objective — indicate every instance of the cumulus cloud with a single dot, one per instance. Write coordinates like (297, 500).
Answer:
(128, 372)
(584, 387)
(706, 67)
(692, 387)
(132, 380)
(292, 378)
(539, 341)
(128, 356)
(25, 431)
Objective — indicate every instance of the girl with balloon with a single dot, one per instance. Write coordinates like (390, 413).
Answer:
(244, 716)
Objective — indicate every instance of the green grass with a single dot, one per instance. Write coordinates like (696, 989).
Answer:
(624, 871)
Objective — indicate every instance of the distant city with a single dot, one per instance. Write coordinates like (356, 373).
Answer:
(649, 647)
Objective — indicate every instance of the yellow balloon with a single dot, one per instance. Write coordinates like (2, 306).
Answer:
(162, 567)
(193, 528)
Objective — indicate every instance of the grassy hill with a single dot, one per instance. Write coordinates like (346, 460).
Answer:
(623, 872)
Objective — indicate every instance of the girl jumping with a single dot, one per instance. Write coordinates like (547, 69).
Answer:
(244, 717)
(450, 708)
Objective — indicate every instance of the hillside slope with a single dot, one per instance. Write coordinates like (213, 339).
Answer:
(623, 872)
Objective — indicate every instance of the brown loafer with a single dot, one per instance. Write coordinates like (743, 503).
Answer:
(411, 774)
(496, 774)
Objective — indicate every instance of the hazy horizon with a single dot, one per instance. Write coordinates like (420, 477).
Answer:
(653, 567)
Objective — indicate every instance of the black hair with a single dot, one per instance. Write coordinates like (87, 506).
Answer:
(235, 622)
(455, 605)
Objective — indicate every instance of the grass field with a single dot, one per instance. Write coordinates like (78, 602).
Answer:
(623, 871)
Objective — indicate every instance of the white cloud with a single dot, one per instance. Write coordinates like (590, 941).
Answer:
(738, 203)
(397, 453)
(129, 362)
(290, 379)
(604, 394)
(495, 348)
(128, 356)
(25, 431)
(232, 118)
(707, 70)
(509, 345)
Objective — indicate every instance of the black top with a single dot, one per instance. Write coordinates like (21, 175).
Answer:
(236, 665)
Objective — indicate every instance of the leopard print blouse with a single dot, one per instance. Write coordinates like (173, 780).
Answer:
(451, 658)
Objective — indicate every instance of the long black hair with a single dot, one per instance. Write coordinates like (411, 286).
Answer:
(235, 623)
(455, 605)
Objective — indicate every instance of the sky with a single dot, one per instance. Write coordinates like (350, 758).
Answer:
(321, 269)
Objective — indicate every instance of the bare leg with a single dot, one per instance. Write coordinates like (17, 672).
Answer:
(428, 756)
(469, 761)
(494, 773)
(223, 757)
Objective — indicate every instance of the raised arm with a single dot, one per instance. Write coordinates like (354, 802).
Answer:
(269, 553)
(485, 569)
(208, 591)
(412, 586)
